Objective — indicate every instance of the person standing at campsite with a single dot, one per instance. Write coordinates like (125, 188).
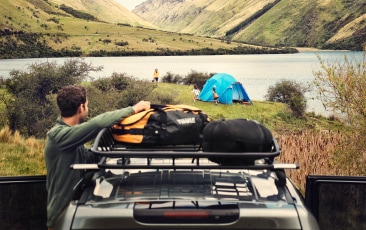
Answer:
(156, 75)
(196, 92)
(215, 95)
(65, 145)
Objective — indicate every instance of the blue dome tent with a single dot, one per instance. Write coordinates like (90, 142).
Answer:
(228, 89)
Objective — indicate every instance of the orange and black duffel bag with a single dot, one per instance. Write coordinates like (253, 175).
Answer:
(162, 125)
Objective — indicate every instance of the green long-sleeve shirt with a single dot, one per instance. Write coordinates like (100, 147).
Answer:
(64, 147)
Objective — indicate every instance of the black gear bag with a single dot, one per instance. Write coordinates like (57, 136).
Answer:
(236, 135)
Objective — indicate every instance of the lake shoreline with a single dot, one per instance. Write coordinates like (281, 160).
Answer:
(256, 72)
(311, 49)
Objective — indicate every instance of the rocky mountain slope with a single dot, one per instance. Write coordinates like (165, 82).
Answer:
(333, 24)
(16, 13)
(106, 10)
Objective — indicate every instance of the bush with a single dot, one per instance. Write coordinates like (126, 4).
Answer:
(196, 78)
(172, 78)
(31, 109)
(31, 106)
(136, 91)
(116, 82)
(100, 101)
(290, 93)
(165, 97)
(123, 90)
(341, 87)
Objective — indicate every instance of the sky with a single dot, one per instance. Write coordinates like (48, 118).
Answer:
(130, 4)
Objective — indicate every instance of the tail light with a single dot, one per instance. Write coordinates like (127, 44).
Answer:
(183, 212)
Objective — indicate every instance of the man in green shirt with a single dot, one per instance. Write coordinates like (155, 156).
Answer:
(65, 144)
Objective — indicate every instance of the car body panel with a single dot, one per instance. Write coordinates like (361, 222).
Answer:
(337, 202)
(28, 209)
(117, 200)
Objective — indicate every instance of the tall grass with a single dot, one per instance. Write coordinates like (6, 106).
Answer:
(20, 156)
(314, 151)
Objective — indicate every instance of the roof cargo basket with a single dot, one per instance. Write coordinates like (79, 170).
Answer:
(106, 148)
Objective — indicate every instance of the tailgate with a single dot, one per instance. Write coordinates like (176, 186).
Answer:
(187, 215)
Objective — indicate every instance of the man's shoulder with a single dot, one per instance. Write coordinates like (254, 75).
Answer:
(57, 128)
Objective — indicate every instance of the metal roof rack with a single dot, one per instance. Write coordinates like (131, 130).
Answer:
(106, 147)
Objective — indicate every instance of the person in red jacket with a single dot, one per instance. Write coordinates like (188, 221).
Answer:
(215, 95)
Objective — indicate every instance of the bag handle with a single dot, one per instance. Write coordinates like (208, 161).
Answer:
(134, 118)
(161, 109)
(163, 116)
(157, 106)
(179, 106)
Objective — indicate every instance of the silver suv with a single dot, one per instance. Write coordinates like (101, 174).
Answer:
(177, 187)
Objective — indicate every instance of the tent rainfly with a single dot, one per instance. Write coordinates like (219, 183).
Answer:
(228, 89)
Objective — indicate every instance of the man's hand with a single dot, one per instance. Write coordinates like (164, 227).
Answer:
(140, 106)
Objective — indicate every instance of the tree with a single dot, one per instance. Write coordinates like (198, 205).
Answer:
(30, 108)
(290, 93)
(341, 86)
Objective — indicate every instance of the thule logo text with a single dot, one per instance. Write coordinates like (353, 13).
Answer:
(184, 121)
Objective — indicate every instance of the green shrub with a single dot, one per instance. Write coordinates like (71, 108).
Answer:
(30, 108)
(116, 82)
(100, 101)
(289, 93)
(197, 78)
(169, 77)
(341, 87)
(136, 91)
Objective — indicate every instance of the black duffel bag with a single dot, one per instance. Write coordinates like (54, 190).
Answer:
(236, 135)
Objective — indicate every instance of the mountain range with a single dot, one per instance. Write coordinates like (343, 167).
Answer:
(334, 24)
(104, 27)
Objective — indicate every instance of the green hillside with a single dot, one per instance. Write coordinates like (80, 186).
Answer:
(55, 28)
(324, 24)
(107, 11)
(40, 28)
(202, 17)
(309, 24)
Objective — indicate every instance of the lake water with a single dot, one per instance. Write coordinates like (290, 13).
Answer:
(256, 72)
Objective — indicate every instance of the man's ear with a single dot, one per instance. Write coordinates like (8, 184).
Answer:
(81, 108)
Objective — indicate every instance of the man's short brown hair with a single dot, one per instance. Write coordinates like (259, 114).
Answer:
(69, 98)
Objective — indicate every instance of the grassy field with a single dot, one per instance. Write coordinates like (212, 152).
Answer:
(309, 142)
(19, 155)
